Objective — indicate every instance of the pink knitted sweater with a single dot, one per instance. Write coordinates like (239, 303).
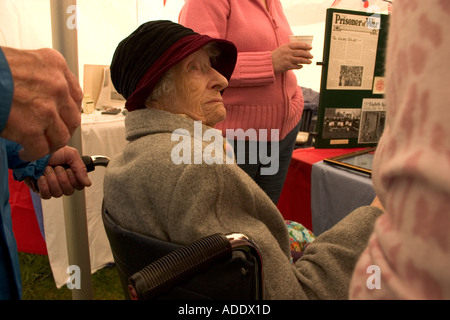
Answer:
(408, 256)
(256, 98)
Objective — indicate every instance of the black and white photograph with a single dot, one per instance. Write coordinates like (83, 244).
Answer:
(372, 126)
(351, 76)
(341, 123)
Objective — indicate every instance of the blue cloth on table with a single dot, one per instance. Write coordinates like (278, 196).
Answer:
(335, 192)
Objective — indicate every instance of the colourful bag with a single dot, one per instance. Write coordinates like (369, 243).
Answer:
(299, 238)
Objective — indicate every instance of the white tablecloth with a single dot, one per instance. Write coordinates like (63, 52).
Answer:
(101, 135)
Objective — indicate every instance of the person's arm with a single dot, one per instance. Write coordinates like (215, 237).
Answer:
(326, 267)
(6, 90)
(53, 180)
(408, 254)
(253, 68)
(209, 199)
(46, 104)
(58, 180)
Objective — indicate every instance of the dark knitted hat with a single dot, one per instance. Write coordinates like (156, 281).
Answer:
(142, 58)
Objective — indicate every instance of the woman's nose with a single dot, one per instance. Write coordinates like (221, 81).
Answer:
(218, 81)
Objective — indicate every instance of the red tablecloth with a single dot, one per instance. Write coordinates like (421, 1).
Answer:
(295, 200)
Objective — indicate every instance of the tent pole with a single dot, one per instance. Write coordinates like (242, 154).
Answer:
(65, 40)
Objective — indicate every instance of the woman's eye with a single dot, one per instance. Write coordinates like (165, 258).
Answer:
(194, 67)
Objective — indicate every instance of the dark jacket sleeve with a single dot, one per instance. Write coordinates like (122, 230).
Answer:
(6, 90)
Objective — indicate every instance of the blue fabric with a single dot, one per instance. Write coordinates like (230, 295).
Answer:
(6, 90)
(335, 192)
(10, 286)
(10, 282)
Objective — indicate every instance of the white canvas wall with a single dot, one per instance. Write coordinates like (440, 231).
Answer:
(101, 24)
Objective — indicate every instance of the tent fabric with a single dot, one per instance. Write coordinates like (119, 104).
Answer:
(101, 24)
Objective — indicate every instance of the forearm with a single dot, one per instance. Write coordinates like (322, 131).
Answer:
(253, 69)
(326, 268)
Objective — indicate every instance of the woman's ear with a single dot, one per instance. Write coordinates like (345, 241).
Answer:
(155, 104)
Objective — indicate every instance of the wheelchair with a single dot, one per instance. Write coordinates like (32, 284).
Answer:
(215, 267)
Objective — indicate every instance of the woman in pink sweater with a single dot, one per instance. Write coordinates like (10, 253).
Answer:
(263, 101)
(408, 255)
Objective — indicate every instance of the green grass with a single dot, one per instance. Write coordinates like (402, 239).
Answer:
(38, 282)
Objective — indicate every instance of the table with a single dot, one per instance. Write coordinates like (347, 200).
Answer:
(100, 135)
(317, 194)
(335, 192)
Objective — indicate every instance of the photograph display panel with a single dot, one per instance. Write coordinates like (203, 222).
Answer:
(352, 109)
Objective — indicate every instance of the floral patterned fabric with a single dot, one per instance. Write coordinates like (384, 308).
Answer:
(299, 238)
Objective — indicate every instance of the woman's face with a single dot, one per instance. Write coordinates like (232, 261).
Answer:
(198, 88)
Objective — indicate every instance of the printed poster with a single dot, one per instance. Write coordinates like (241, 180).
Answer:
(353, 51)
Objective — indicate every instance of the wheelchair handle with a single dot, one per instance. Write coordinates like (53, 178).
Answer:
(240, 241)
(92, 161)
(89, 161)
(180, 264)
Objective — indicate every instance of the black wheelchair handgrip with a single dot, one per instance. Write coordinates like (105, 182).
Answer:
(90, 162)
(177, 266)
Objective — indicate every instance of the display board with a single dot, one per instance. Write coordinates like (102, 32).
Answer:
(352, 109)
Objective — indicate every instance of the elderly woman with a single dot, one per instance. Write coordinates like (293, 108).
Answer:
(175, 183)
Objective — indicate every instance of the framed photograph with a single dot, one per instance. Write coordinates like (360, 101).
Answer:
(360, 161)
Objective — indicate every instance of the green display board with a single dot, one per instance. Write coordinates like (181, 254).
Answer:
(352, 109)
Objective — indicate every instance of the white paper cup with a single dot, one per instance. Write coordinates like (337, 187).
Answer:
(305, 39)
